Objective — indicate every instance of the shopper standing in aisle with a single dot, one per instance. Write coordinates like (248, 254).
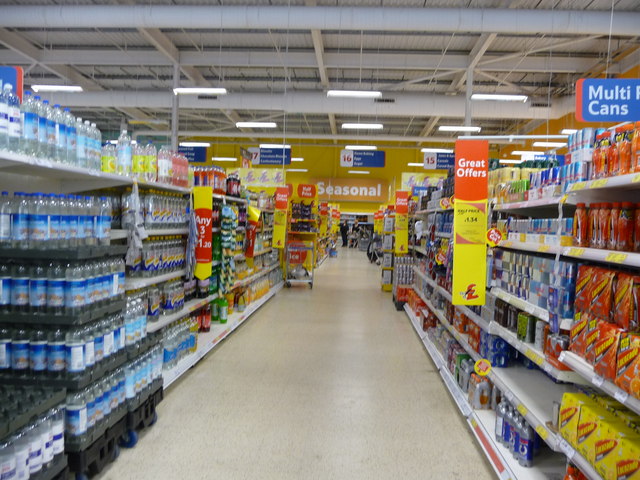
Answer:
(344, 230)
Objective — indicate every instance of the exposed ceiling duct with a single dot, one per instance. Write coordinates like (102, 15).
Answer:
(522, 21)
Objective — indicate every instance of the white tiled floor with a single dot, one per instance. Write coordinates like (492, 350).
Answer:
(328, 383)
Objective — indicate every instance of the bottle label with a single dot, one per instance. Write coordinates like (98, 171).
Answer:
(108, 344)
(130, 332)
(108, 163)
(120, 283)
(525, 450)
(91, 412)
(99, 347)
(15, 122)
(54, 227)
(5, 354)
(90, 353)
(42, 129)
(130, 385)
(39, 227)
(55, 293)
(76, 293)
(116, 339)
(72, 138)
(5, 226)
(92, 290)
(138, 163)
(37, 292)
(5, 291)
(20, 227)
(47, 450)
(22, 462)
(89, 222)
(20, 291)
(20, 354)
(123, 337)
(56, 357)
(30, 126)
(73, 226)
(38, 356)
(76, 419)
(51, 132)
(81, 146)
(4, 118)
(75, 358)
(35, 455)
(61, 135)
(65, 227)
(57, 428)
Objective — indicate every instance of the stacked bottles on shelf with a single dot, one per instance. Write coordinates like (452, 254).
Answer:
(55, 352)
(145, 162)
(530, 180)
(59, 287)
(216, 178)
(40, 130)
(36, 446)
(158, 256)
(610, 226)
(46, 221)
(164, 299)
(228, 226)
(513, 431)
(88, 410)
(135, 317)
(181, 339)
(164, 210)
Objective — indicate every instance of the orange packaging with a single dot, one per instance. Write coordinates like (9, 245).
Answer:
(635, 149)
(593, 224)
(625, 302)
(577, 335)
(584, 279)
(604, 225)
(636, 227)
(613, 157)
(605, 147)
(613, 225)
(597, 163)
(626, 227)
(601, 293)
(605, 351)
(580, 226)
(623, 141)
(591, 335)
(628, 364)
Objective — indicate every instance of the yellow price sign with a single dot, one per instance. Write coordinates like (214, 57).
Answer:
(506, 244)
(534, 357)
(578, 186)
(544, 248)
(600, 183)
(482, 367)
(542, 431)
(564, 198)
(636, 178)
(575, 252)
(616, 257)
(523, 410)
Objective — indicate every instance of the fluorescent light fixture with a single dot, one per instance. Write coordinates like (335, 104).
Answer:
(256, 124)
(362, 126)
(415, 164)
(57, 88)
(194, 144)
(499, 97)
(526, 152)
(224, 159)
(273, 145)
(511, 161)
(360, 147)
(568, 131)
(297, 159)
(354, 93)
(458, 128)
(550, 144)
(363, 172)
(302, 170)
(199, 91)
(436, 150)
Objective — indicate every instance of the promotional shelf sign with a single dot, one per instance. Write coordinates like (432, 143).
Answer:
(438, 160)
(280, 218)
(402, 222)
(362, 158)
(203, 204)
(470, 222)
(607, 99)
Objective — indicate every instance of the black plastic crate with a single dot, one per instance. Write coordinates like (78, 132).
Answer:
(57, 469)
(73, 445)
(77, 253)
(144, 415)
(81, 318)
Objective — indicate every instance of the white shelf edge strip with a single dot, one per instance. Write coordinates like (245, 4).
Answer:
(135, 283)
(189, 307)
(542, 202)
(234, 321)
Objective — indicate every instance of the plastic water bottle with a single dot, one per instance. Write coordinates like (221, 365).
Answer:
(51, 131)
(76, 415)
(4, 120)
(5, 288)
(5, 219)
(81, 145)
(5, 349)
(19, 288)
(38, 352)
(72, 137)
(78, 216)
(89, 148)
(20, 351)
(103, 232)
(164, 160)
(7, 460)
(19, 221)
(35, 448)
(42, 126)
(37, 288)
(124, 154)
(29, 145)
(98, 143)
(91, 408)
(38, 227)
(55, 288)
(56, 353)
(151, 163)
(56, 416)
(109, 158)
(21, 446)
(60, 134)
(14, 132)
(75, 288)
(137, 168)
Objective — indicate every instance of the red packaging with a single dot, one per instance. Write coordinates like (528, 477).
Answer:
(593, 224)
(613, 157)
(591, 335)
(601, 293)
(597, 158)
(613, 226)
(605, 351)
(626, 227)
(576, 336)
(635, 149)
(624, 148)
(636, 227)
(584, 279)
(625, 302)
(580, 226)
(628, 364)
(604, 225)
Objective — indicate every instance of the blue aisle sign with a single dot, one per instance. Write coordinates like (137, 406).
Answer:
(438, 160)
(270, 156)
(194, 154)
(550, 158)
(607, 100)
(417, 190)
(14, 76)
(362, 158)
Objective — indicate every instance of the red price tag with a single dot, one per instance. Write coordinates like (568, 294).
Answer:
(494, 237)
(203, 245)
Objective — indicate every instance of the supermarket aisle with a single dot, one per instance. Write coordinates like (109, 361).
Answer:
(329, 383)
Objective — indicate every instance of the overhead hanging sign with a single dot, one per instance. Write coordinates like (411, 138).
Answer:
(438, 161)
(270, 156)
(607, 99)
(352, 189)
(550, 158)
(194, 154)
(362, 158)
(259, 177)
(426, 179)
(470, 222)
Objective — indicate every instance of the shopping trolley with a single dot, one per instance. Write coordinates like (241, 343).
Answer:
(299, 262)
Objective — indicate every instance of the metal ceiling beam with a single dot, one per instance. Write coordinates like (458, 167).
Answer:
(318, 47)
(476, 20)
(478, 50)
(426, 131)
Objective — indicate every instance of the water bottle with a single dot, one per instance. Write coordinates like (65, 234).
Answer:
(44, 426)
(87, 274)
(104, 221)
(76, 415)
(37, 288)
(35, 448)
(51, 131)
(56, 236)
(81, 144)
(97, 136)
(29, 142)
(90, 398)
(20, 351)
(64, 235)
(75, 288)
(56, 415)
(109, 337)
(90, 220)
(21, 446)
(4, 121)
(525, 451)
(121, 278)
(14, 131)
(89, 147)
(72, 138)
(5, 220)
(38, 227)
(151, 163)
(5, 288)
(164, 159)
(109, 158)
(124, 154)
(61, 134)
(41, 111)
(79, 214)
(137, 168)
(19, 288)
(74, 347)
(56, 353)
(7, 460)
(19, 221)
(5, 348)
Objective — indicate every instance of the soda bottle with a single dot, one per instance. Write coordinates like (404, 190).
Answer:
(14, 132)
(72, 138)
(124, 154)
(4, 121)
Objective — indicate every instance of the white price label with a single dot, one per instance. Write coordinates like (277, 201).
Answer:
(567, 449)
(510, 396)
(597, 380)
(621, 396)
(547, 367)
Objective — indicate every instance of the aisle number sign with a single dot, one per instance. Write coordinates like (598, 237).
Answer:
(280, 217)
(402, 222)
(203, 205)
(470, 222)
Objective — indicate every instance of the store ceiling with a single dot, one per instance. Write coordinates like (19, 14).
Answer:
(281, 73)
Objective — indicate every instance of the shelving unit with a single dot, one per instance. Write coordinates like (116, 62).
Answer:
(227, 198)
(167, 232)
(613, 257)
(136, 283)
(191, 306)
(530, 308)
